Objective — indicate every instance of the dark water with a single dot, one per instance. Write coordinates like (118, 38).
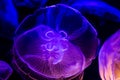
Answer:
(12, 13)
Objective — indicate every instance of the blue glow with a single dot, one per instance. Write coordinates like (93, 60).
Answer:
(8, 18)
(5, 70)
(98, 8)
(30, 3)
(69, 2)
(8, 12)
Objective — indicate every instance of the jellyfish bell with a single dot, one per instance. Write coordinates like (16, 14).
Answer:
(109, 58)
(55, 53)
(50, 43)
(5, 70)
(102, 15)
(99, 9)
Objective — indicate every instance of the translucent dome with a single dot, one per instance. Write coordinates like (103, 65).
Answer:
(109, 58)
(98, 8)
(54, 42)
(5, 70)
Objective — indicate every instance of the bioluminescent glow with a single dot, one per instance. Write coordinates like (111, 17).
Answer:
(69, 2)
(5, 70)
(109, 58)
(59, 43)
(30, 3)
(98, 8)
(8, 18)
(8, 12)
(56, 43)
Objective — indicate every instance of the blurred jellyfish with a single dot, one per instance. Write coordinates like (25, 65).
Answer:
(99, 9)
(8, 18)
(69, 2)
(55, 42)
(30, 3)
(109, 58)
(5, 70)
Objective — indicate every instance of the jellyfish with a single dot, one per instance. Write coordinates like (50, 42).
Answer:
(109, 58)
(8, 19)
(100, 14)
(5, 70)
(70, 2)
(55, 42)
(99, 9)
(30, 3)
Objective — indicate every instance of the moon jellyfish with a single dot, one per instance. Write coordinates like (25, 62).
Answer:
(55, 42)
(109, 58)
(29, 3)
(99, 9)
(8, 19)
(5, 70)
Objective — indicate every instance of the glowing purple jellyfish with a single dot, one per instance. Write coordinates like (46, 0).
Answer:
(109, 58)
(5, 70)
(55, 42)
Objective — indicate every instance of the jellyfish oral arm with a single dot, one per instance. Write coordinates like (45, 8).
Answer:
(55, 45)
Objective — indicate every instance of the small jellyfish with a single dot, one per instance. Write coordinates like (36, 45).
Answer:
(8, 19)
(109, 58)
(99, 9)
(29, 3)
(5, 70)
(55, 42)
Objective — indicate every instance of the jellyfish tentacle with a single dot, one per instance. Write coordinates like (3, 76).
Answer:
(54, 42)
